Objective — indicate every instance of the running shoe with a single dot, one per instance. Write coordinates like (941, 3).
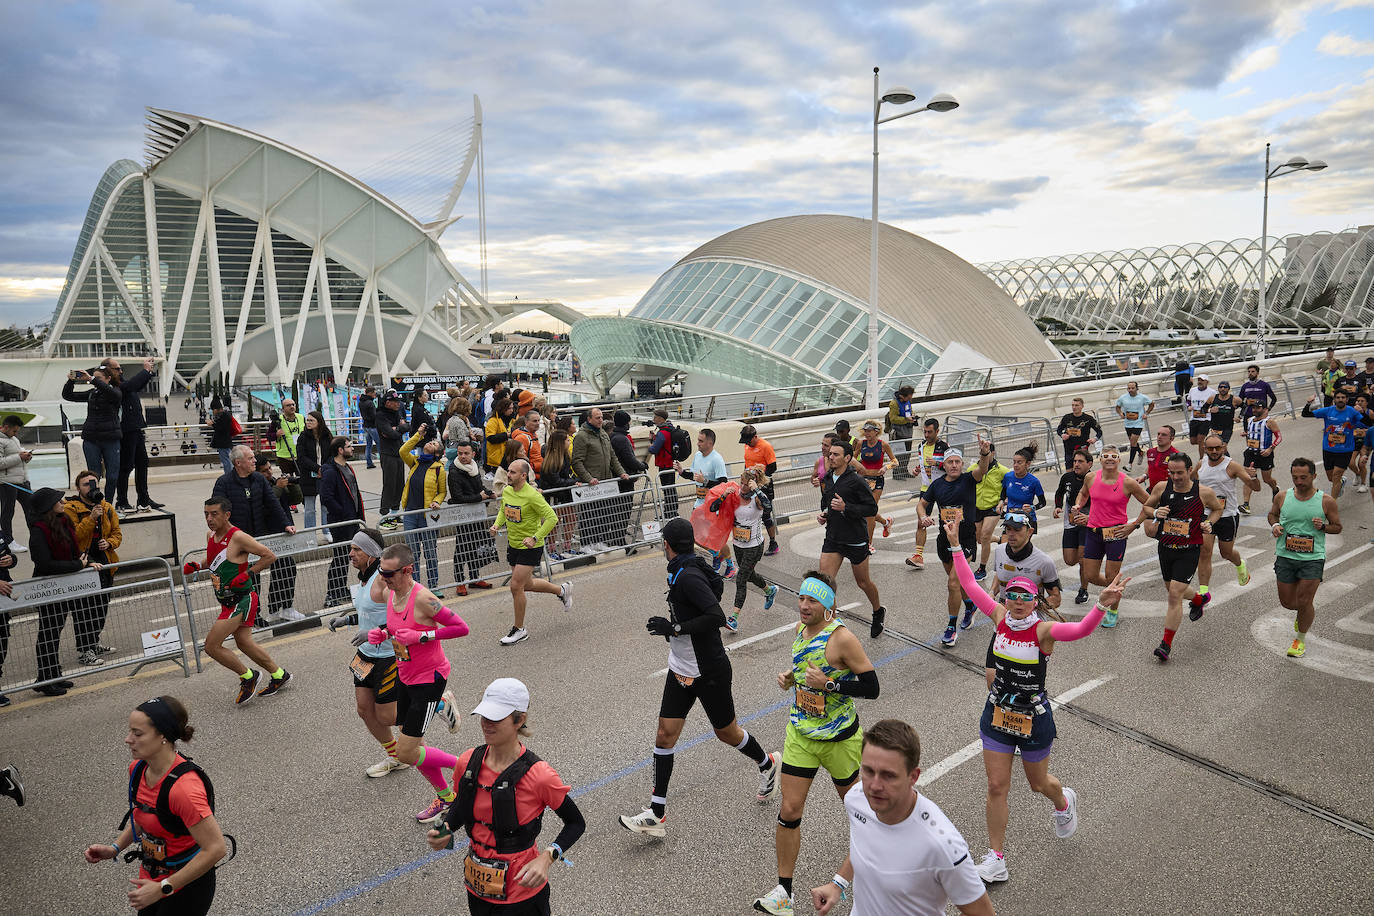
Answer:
(566, 596)
(1362, 489)
(274, 685)
(967, 620)
(1081, 597)
(434, 813)
(916, 561)
(769, 595)
(733, 622)
(1109, 618)
(1337, 486)
(378, 770)
(1242, 574)
(773, 549)
(1197, 603)
(1162, 653)
(715, 560)
(11, 786)
(481, 583)
(729, 570)
(872, 550)
(4, 701)
(875, 629)
(516, 634)
(645, 822)
(447, 710)
(246, 686)
(777, 901)
(1066, 821)
(951, 636)
(1298, 649)
(460, 591)
(887, 533)
(992, 868)
(980, 573)
(769, 785)
(1243, 508)
(89, 658)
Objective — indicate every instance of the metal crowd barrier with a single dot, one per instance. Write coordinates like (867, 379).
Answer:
(139, 622)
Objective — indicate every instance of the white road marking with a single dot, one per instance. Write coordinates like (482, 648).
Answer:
(1327, 656)
(757, 637)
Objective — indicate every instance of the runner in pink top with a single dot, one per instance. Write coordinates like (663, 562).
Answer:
(1104, 545)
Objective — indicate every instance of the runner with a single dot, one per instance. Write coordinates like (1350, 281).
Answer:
(698, 670)
(1366, 378)
(758, 453)
(905, 857)
(1222, 408)
(1075, 524)
(1255, 391)
(1104, 543)
(171, 817)
(746, 509)
(503, 793)
(1017, 713)
(1078, 430)
(1195, 408)
(229, 559)
(927, 463)
(1300, 520)
(708, 470)
(1022, 490)
(1133, 407)
(1262, 438)
(954, 493)
(829, 669)
(1182, 512)
(1018, 558)
(872, 461)
(818, 469)
(1349, 382)
(1360, 461)
(987, 497)
(527, 519)
(846, 505)
(1157, 458)
(416, 632)
(1338, 437)
(1220, 473)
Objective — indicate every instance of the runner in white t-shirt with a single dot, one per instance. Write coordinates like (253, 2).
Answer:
(905, 857)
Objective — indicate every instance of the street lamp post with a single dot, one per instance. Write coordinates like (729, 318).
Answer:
(898, 95)
(1296, 164)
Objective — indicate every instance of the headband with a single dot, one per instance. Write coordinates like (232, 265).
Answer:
(366, 545)
(954, 453)
(815, 588)
(162, 717)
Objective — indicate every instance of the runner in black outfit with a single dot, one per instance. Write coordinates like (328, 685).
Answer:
(698, 669)
(1078, 430)
(1065, 495)
(1222, 408)
(956, 495)
(846, 505)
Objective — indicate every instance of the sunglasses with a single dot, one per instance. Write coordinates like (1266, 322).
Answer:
(388, 573)
(1017, 594)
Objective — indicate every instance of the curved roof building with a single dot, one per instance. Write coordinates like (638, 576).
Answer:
(784, 303)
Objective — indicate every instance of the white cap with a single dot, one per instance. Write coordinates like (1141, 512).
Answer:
(502, 697)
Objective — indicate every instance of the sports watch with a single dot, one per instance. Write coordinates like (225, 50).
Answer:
(167, 887)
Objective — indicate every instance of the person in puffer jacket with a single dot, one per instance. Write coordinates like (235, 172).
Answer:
(100, 433)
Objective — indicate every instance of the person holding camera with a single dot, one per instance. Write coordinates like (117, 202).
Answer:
(100, 432)
(133, 449)
(96, 525)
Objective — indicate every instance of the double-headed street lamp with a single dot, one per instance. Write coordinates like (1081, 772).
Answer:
(1296, 164)
(898, 95)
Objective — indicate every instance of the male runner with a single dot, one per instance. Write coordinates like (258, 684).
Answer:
(416, 624)
(758, 453)
(1017, 556)
(1255, 391)
(1262, 437)
(1195, 408)
(846, 505)
(1133, 407)
(1349, 382)
(956, 495)
(528, 519)
(927, 463)
(1078, 430)
(1183, 511)
(1071, 541)
(905, 857)
(829, 669)
(698, 669)
(229, 555)
(1222, 410)
(708, 470)
(1220, 473)
(1157, 458)
(1338, 436)
(1300, 520)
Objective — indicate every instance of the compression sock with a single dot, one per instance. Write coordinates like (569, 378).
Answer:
(663, 771)
(1169, 637)
(786, 884)
(1135, 453)
(432, 764)
(751, 748)
(953, 621)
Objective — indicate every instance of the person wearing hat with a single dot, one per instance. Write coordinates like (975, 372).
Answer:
(872, 460)
(623, 444)
(52, 543)
(1017, 555)
(758, 453)
(221, 427)
(14, 477)
(1195, 407)
(956, 495)
(391, 430)
(698, 670)
(1349, 382)
(661, 448)
(1017, 713)
(503, 792)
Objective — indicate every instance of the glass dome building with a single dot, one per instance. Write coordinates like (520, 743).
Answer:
(784, 303)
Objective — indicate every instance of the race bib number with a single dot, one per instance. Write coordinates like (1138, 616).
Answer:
(1252, 443)
(361, 669)
(1074, 431)
(955, 514)
(741, 533)
(1200, 414)
(811, 702)
(154, 848)
(684, 680)
(1013, 723)
(402, 651)
(1215, 432)
(513, 513)
(485, 877)
(1336, 438)
(1298, 543)
(1176, 527)
(1132, 415)
(701, 491)
(873, 483)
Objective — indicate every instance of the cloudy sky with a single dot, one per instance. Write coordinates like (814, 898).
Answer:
(621, 135)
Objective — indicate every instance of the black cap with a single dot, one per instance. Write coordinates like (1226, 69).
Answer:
(747, 434)
(43, 500)
(678, 534)
(391, 395)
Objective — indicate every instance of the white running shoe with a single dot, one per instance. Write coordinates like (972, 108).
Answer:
(1066, 821)
(566, 596)
(769, 784)
(992, 868)
(291, 614)
(645, 822)
(777, 901)
(378, 770)
(18, 547)
(448, 710)
(515, 635)
(1362, 489)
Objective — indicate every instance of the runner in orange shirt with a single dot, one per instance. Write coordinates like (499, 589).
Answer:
(759, 454)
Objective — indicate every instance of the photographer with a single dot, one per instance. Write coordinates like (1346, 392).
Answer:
(133, 450)
(96, 526)
(100, 433)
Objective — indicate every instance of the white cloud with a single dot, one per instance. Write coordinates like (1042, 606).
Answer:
(1339, 45)
(1257, 61)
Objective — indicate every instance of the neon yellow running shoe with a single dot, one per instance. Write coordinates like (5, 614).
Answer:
(1242, 574)
(1298, 649)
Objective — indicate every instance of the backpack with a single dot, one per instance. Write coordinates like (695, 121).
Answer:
(173, 824)
(681, 443)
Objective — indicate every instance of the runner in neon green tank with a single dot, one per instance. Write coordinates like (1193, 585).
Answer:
(1300, 520)
(829, 669)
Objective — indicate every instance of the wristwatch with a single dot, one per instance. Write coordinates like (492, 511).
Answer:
(167, 887)
(831, 686)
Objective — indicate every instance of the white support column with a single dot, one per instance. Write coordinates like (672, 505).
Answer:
(382, 365)
(250, 285)
(192, 271)
(359, 318)
(273, 299)
(327, 309)
(99, 291)
(217, 335)
(154, 292)
(299, 336)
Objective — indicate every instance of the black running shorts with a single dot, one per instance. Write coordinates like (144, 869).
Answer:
(416, 705)
(680, 692)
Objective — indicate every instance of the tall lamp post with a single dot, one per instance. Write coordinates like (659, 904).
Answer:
(1296, 164)
(898, 95)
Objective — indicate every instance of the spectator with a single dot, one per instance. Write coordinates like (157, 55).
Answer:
(288, 428)
(473, 546)
(52, 542)
(623, 444)
(594, 460)
(524, 403)
(547, 414)
(100, 432)
(527, 434)
(515, 449)
(133, 449)
(96, 526)
(901, 421)
(459, 427)
(661, 448)
(391, 428)
(420, 415)
(496, 431)
(540, 407)
(425, 488)
(342, 501)
(557, 481)
(367, 415)
(493, 390)
(14, 478)
(311, 445)
(222, 433)
(255, 507)
(6, 562)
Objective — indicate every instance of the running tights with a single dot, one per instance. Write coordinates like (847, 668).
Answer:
(747, 558)
(432, 764)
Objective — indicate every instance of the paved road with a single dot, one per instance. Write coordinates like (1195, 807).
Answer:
(1216, 784)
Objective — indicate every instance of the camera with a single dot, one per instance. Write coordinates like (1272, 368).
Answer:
(647, 423)
(293, 480)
